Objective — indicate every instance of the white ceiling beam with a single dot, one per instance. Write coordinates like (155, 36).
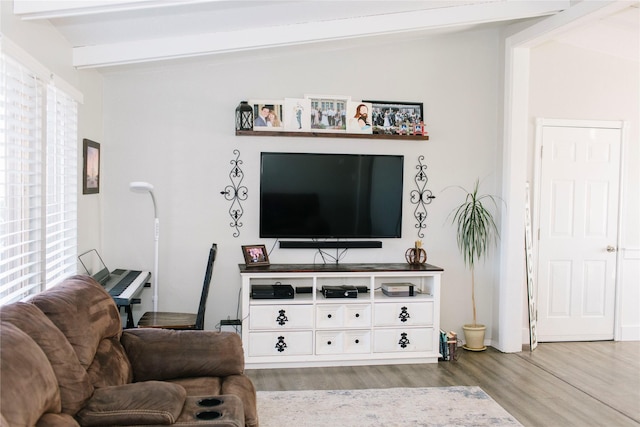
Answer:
(286, 35)
(48, 9)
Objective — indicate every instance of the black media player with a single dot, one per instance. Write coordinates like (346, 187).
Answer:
(344, 291)
(272, 291)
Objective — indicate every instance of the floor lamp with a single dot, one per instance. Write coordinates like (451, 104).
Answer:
(145, 187)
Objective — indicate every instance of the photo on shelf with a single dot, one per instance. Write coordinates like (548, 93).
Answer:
(328, 112)
(297, 114)
(359, 117)
(396, 117)
(255, 255)
(267, 114)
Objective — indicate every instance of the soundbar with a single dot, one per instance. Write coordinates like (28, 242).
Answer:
(347, 244)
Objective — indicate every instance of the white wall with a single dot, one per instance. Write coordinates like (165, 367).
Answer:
(173, 125)
(592, 86)
(42, 41)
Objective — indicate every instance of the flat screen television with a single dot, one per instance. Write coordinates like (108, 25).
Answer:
(313, 195)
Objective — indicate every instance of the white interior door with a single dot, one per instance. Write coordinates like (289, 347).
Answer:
(578, 227)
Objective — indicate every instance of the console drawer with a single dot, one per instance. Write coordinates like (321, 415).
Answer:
(343, 315)
(403, 340)
(341, 342)
(280, 343)
(281, 316)
(404, 314)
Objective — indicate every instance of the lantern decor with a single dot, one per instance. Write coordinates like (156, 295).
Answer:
(244, 116)
(416, 255)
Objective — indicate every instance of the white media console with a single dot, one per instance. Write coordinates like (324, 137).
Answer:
(311, 330)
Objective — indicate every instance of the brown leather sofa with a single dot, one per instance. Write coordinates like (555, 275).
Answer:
(65, 361)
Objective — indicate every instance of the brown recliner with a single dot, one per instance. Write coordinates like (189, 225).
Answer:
(65, 361)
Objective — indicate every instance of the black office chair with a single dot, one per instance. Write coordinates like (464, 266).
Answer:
(183, 321)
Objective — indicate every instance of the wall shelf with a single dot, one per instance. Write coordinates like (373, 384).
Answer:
(332, 135)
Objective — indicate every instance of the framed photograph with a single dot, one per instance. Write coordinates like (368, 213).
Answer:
(328, 112)
(267, 114)
(396, 117)
(255, 255)
(91, 167)
(297, 114)
(359, 117)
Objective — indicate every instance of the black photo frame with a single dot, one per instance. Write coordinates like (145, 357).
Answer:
(396, 117)
(90, 167)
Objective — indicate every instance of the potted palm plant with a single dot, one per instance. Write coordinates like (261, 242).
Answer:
(476, 230)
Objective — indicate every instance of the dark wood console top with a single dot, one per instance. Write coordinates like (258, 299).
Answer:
(337, 268)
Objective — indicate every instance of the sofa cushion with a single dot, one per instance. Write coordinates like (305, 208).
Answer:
(29, 386)
(57, 420)
(151, 402)
(110, 366)
(73, 380)
(163, 354)
(83, 311)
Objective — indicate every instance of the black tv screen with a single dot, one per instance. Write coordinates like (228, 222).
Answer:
(304, 195)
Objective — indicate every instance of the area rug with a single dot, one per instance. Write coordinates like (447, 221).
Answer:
(433, 406)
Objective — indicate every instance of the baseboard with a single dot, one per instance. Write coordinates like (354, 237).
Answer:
(629, 333)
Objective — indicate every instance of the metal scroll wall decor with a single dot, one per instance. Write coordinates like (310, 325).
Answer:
(236, 193)
(421, 197)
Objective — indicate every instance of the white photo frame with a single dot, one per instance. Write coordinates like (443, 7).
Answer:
(359, 117)
(328, 113)
(297, 114)
(267, 114)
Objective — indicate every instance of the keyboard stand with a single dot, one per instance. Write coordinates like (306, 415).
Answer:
(127, 309)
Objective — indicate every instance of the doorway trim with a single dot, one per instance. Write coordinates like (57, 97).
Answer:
(516, 125)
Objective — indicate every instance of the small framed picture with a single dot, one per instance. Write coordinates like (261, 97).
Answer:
(267, 114)
(328, 112)
(255, 255)
(359, 117)
(90, 167)
(297, 114)
(395, 117)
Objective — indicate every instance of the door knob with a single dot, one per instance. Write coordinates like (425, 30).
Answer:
(611, 248)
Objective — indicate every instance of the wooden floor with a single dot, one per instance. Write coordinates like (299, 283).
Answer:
(558, 384)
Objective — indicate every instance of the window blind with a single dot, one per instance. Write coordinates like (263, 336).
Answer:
(61, 187)
(38, 182)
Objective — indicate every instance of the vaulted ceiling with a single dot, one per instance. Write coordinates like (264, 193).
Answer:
(114, 32)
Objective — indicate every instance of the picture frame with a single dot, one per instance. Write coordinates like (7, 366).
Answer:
(267, 114)
(328, 113)
(297, 114)
(255, 255)
(90, 167)
(397, 117)
(359, 117)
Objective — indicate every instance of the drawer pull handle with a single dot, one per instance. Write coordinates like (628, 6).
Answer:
(357, 341)
(357, 314)
(404, 314)
(328, 316)
(328, 342)
(404, 340)
(281, 345)
(282, 318)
